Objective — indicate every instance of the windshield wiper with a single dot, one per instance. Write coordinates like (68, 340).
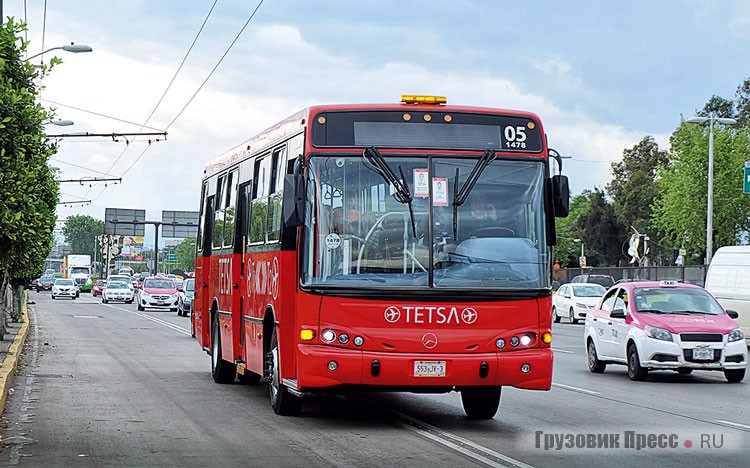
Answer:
(460, 196)
(375, 160)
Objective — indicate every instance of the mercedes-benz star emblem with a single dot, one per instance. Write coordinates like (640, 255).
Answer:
(429, 340)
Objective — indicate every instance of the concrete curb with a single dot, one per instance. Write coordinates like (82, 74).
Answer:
(10, 363)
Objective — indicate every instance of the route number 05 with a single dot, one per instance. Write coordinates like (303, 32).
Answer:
(515, 137)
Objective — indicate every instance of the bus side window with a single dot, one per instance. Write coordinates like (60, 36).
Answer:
(218, 224)
(277, 191)
(230, 206)
(259, 210)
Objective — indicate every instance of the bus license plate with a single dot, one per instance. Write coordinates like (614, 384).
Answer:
(429, 368)
(703, 354)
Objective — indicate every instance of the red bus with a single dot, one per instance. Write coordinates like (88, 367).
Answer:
(394, 247)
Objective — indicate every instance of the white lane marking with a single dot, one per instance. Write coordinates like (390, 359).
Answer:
(154, 319)
(730, 423)
(479, 453)
(562, 351)
(575, 389)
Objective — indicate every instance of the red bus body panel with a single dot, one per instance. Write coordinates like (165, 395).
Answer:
(247, 290)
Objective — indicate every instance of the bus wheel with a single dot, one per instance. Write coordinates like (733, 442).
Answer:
(282, 402)
(222, 371)
(481, 402)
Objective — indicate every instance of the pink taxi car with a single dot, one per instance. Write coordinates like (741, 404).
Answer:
(649, 325)
(158, 293)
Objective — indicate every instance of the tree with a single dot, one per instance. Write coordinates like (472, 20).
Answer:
(80, 233)
(680, 209)
(743, 103)
(600, 230)
(634, 188)
(566, 251)
(28, 190)
(635, 184)
(185, 251)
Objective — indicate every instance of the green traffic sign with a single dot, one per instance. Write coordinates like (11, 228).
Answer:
(746, 180)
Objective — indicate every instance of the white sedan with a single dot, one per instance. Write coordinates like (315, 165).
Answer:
(117, 291)
(574, 300)
(64, 287)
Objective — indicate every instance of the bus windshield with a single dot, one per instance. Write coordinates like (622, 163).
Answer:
(358, 233)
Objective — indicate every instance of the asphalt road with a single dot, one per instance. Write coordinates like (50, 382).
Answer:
(106, 385)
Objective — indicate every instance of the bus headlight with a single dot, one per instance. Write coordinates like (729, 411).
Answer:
(328, 335)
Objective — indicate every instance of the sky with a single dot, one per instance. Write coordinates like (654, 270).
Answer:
(600, 75)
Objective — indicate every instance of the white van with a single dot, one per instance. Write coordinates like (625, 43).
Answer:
(728, 280)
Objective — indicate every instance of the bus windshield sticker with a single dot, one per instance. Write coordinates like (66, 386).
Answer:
(440, 191)
(333, 241)
(421, 187)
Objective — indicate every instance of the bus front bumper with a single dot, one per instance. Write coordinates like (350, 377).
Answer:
(322, 366)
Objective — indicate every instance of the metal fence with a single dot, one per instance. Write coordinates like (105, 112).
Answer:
(687, 274)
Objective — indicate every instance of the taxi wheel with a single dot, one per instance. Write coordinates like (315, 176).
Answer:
(595, 365)
(734, 375)
(573, 318)
(635, 371)
(481, 402)
(555, 317)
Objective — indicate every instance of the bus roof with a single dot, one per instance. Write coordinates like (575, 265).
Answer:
(296, 124)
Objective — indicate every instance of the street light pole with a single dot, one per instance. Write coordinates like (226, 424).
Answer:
(580, 259)
(710, 203)
(75, 48)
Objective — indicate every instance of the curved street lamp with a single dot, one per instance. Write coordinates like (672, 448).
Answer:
(75, 48)
(61, 123)
(710, 204)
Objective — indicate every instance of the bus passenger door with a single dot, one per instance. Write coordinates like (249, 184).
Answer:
(201, 316)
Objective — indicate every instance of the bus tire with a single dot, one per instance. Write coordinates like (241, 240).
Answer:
(481, 402)
(282, 401)
(222, 371)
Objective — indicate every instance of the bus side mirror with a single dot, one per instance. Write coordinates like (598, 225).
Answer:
(560, 196)
(294, 200)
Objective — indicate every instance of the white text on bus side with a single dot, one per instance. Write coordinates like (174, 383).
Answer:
(225, 276)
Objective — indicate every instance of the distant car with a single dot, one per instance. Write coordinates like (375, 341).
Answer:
(574, 300)
(121, 278)
(98, 287)
(605, 280)
(64, 287)
(45, 283)
(158, 293)
(186, 298)
(49, 272)
(117, 291)
(665, 325)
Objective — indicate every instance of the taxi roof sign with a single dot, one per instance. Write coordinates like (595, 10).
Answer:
(668, 283)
